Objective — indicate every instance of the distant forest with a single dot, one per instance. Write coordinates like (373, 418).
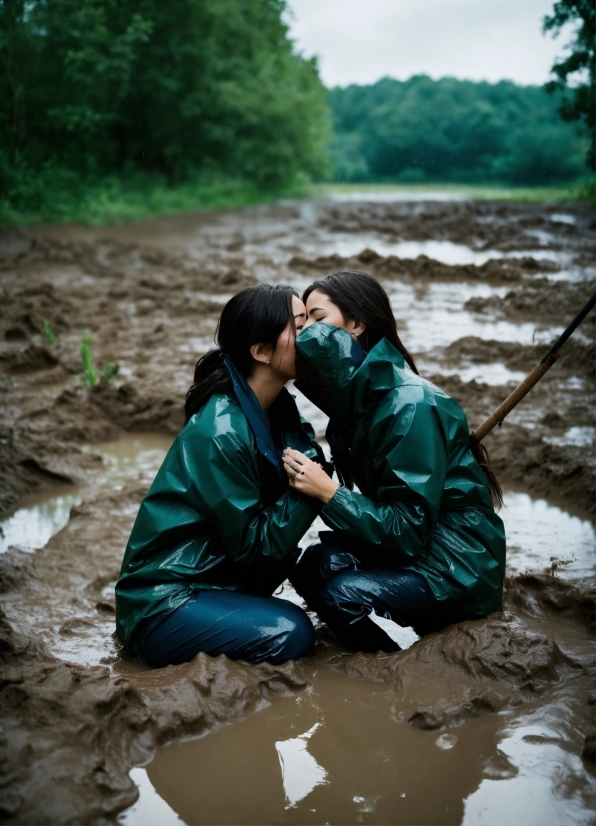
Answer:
(453, 130)
(108, 99)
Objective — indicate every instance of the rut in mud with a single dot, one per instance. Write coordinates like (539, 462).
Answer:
(493, 286)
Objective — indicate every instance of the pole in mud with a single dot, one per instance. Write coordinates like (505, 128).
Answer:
(545, 363)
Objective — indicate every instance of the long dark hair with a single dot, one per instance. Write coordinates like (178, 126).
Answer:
(256, 315)
(360, 297)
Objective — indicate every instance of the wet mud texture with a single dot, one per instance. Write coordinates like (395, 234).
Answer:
(75, 715)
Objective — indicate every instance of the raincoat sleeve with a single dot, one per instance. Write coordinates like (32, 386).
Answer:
(410, 462)
(226, 480)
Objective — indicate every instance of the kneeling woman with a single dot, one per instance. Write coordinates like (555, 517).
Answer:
(218, 531)
(420, 543)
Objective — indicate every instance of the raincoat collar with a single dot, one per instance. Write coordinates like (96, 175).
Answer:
(256, 418)
(353, 379)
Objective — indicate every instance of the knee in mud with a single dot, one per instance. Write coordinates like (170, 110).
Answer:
(343, 590)
(299, 635)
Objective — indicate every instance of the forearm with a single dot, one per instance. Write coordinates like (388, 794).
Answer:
(400, 527)
(275, 531)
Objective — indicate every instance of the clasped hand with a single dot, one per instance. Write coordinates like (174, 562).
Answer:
(307, 476)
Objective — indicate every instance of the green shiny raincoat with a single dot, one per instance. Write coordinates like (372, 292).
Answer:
(218, 515)
(404, 442)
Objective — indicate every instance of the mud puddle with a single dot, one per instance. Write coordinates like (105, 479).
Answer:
(339, 753)
(42, 515)
(515, 689)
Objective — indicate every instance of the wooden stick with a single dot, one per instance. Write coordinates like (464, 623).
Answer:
(532, 378)
(515, 398)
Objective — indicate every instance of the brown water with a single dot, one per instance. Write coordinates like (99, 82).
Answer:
(341, 752)
(485, 723)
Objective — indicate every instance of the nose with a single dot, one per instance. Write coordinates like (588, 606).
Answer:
(307, 323)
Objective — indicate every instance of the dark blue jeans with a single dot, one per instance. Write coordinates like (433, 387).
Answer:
(242, 626)
(344, 585)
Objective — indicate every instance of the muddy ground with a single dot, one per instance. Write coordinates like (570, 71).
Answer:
(479, 289)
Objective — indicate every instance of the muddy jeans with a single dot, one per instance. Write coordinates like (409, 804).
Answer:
(344, 586)
(242, 626)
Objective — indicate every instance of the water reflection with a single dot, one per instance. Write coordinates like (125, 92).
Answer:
(39, 518)
(538, 530)
(335, 754)
(153, 810)
(44, 514)
(300, 772)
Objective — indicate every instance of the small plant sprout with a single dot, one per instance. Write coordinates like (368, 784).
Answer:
(48, 334)
(91, 376)
(110, 371)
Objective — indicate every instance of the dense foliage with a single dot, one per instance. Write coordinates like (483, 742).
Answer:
(124, 108)
(174, 89)
(579, 99)
(452, 130)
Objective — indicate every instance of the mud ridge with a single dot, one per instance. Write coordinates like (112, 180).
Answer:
(72, 733)
(477, 224)
(500, 662)
(496, 271)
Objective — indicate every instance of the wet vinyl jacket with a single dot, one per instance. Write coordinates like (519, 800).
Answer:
(423, 497)
(219, 514)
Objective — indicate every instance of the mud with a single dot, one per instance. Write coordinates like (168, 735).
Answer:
(514, 690)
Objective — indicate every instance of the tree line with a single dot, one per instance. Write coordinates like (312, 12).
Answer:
(453, 130)
(141, 89)
(168, 89)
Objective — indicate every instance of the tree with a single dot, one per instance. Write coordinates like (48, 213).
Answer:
(579, 99)
(174, 89)
(453, 130)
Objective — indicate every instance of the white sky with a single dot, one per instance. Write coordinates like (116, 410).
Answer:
(360, 41)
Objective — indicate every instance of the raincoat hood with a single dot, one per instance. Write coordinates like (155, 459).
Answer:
(353, 379)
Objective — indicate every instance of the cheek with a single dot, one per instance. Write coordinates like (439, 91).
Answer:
(286, 350)
(335, 318)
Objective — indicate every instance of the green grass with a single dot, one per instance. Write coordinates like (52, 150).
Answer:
(56, 196)
(550, 194)
(118, 200)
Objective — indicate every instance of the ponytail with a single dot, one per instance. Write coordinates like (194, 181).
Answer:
(211, 377)
(480, 453)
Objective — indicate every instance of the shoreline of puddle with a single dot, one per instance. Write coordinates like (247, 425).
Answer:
(138, 456)
(343, 749)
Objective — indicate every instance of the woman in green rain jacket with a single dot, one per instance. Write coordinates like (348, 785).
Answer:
(218, 530)
(420, 542)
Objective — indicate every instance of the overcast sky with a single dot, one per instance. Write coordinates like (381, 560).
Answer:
(360, 41)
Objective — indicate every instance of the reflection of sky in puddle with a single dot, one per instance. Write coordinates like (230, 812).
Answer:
(435, 317)
(150, 809)
(342, 752)
(397, 195)
(530, 794)
(197, 345)
(38, 519)
(562, 218)
(43, 515)
(300, 772)
(493, 374)
(578, 436)
(537, 531)
(445, 251)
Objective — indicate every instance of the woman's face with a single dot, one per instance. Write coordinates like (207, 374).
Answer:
(283, 358)
(319, 307)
